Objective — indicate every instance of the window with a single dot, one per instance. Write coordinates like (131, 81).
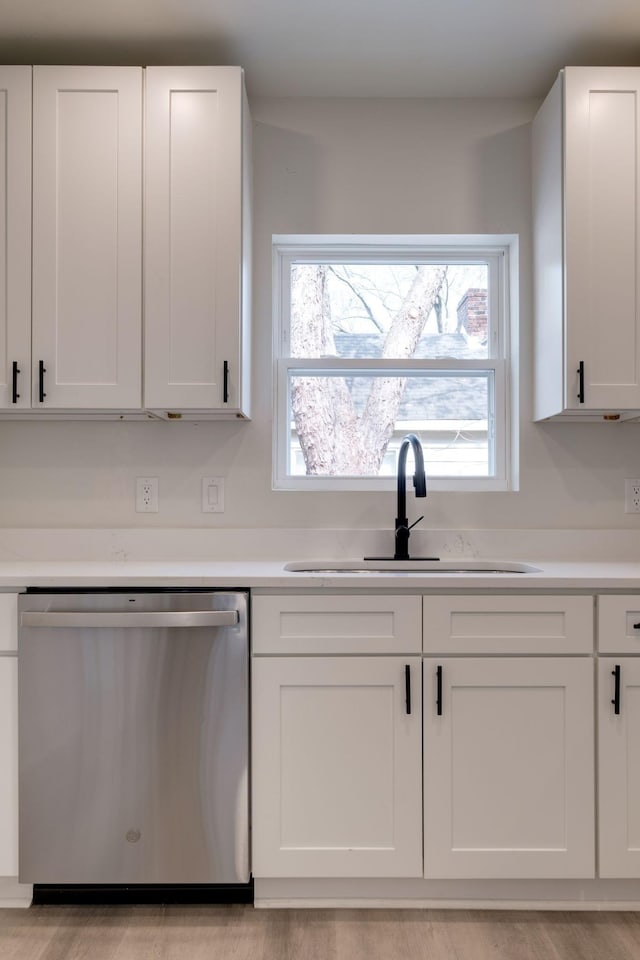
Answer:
(379, 337)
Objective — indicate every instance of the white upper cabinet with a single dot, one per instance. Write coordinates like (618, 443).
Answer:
(71, 242)
(15, 236)
(197, 237)
(87, 237)
(586, 206)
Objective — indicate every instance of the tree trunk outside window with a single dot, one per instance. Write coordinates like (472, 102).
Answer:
(333, 439)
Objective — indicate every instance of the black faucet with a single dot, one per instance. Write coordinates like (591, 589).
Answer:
(420, 484)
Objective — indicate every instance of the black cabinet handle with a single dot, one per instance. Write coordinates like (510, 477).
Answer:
(225, 382)
(616, 689)
(41, 372)
(439, 691)
(580, 372)
(407, 688)
(636, 626)
(15, 396)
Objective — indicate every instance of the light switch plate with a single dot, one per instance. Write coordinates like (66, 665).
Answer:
(213, 494)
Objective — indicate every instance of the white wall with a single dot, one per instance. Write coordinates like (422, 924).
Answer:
(339, 166)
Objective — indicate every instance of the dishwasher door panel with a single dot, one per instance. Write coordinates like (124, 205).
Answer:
(133, 748)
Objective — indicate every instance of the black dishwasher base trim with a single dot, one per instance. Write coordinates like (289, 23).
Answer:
(134, 893)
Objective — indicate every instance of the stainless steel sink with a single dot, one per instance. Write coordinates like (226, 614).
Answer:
(410, 566)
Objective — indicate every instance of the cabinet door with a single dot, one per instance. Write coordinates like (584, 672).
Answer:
(619, 767)
(508, 769)
(8, 766)
(87, 237)
(15, 236)
(193, 237)
(336, 767)
(602, 207)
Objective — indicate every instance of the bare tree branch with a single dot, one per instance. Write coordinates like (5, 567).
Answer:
(359, 296)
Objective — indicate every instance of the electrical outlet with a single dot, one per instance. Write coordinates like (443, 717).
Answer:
(632, 496)
(146, 494)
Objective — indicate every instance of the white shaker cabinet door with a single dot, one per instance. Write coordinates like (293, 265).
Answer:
(15, 237)
(508, 768)
(586, 223)
(619, 766)
(8, 766)
(87, 237)
(336, 767)
(196, 243)
(602, 217)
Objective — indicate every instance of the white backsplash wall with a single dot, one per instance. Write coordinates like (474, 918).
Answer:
(337, 166)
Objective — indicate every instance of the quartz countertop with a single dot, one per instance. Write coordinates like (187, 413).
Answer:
(587, 560)
(270, 574)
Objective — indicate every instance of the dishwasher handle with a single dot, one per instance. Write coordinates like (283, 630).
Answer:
(150, 618)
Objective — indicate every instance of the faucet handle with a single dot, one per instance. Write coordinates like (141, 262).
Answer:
(415, 522)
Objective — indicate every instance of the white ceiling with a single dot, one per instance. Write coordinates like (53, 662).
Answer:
(381, 48)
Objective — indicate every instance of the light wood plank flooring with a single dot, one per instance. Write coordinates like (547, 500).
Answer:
(242, 933)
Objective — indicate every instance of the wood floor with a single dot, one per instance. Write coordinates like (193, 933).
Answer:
(242, 933)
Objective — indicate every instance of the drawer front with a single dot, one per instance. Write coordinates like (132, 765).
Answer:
(336, 624)
(522, 624)
(8, 622)
(619, 624)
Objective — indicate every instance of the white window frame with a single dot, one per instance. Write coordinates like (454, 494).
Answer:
(500, 252)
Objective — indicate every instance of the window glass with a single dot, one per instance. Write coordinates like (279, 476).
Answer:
(376, 338)
(389, 310)
(352, 426)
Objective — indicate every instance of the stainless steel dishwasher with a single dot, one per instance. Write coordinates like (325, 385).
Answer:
(133, 726)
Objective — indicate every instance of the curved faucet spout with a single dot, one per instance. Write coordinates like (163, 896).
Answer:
(420, 485)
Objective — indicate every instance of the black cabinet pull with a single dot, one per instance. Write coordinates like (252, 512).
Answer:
(41, 372)
(439, 691)
(580, 372)
(636, 626)
(616, 689)
(225, 382)
(15, 396)
(407, 688)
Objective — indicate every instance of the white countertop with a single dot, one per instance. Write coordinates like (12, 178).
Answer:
(589, 560)
(270, 574)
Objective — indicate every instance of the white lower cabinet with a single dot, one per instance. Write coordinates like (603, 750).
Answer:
(619, 766)
(8, 766)
(508, 768)
(491, 777)
(337, 767)
(619, 735)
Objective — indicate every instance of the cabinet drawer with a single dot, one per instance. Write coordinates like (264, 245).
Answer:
(619, 624)
(8, 622)
(522, 624)
(336, 624)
